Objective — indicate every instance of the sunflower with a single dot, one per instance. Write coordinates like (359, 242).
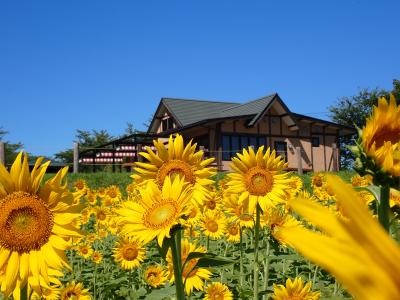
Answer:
(295, 289)
(75, 291)
(194, 215)
(91, 197)
(259, 178)
(380, 137)
(318, 180)
(176, 160)
(360, 181)
(80, 185)
(233, 230)
(212, 201)
(102, 215)
(213, 224)
(113, 193)
(50, 293)
(394, 198)
(366, 196)
(360, 243)
(295, 185)
(218, 291)
(155, 276)
(192, 275)
(239, 210)
(35, 222)
(97, 257)
(85, 250)
(275, 219)
(129, 253)
(156, 212)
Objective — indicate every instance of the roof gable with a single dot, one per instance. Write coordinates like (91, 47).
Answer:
(191, 111)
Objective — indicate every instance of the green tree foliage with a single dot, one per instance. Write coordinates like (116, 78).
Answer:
(11, 150)
(353, 111)
(86, 139)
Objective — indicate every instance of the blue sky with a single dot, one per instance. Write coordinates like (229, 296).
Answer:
(67, 65)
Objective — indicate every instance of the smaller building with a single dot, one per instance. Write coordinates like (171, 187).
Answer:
(222, 129)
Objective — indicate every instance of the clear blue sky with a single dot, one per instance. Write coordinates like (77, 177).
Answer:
(67, 65)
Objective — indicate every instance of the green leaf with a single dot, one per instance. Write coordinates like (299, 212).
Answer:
(165, 246)
(374, 190)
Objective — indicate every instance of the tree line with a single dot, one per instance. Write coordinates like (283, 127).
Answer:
(348, 110)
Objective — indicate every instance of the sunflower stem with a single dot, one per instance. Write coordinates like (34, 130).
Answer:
(94, 282)
(24, 293)
(177, 263)
(256, 240)
(266, 268)
(383, 209)
(315, 276)
(241, 258)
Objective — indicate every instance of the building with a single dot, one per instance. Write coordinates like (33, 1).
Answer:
(222, 129)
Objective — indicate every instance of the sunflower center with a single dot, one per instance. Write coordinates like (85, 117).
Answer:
(25, 222)
(318, 181)
(79, 185)
(112, 194)
(212, 226)
(152, 276)
(233, 230)
(130, 253)
(174, 168)
(386, 135)
(101, 216)
(85, 251)
(193, 213)
(211, 204)
(217, 296)
(259, 181)
(161, 214)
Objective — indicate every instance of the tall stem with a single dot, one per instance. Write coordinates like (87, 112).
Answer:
(266, 269)
(256, 240)
(383, 209)
(241, 279)
(177, 263)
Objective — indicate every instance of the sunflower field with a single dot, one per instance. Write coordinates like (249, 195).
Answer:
(175, 229)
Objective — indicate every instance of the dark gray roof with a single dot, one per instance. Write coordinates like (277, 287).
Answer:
(187, 112)
(191, 111)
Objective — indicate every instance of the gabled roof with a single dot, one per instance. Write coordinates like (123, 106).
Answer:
(187, 113)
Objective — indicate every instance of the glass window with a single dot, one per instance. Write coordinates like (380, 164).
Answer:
(226, 147)
(315, 141)
(253, 141)
(262, 142)
(244, 142)
(235, 145)
(281, 149)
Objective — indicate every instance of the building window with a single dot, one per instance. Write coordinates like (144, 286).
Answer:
(315, 141)
(167, 124)
(281, 149)
(232, 144)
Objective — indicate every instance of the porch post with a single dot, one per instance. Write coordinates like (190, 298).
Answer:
(299, 161)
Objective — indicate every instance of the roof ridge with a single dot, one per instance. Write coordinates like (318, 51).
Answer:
(248, 102)
(199, 100)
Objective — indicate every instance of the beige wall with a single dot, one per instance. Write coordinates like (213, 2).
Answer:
(312, 158)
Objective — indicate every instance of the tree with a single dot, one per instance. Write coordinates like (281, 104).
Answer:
(353, 111)
(11, 150)
(86, 139)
